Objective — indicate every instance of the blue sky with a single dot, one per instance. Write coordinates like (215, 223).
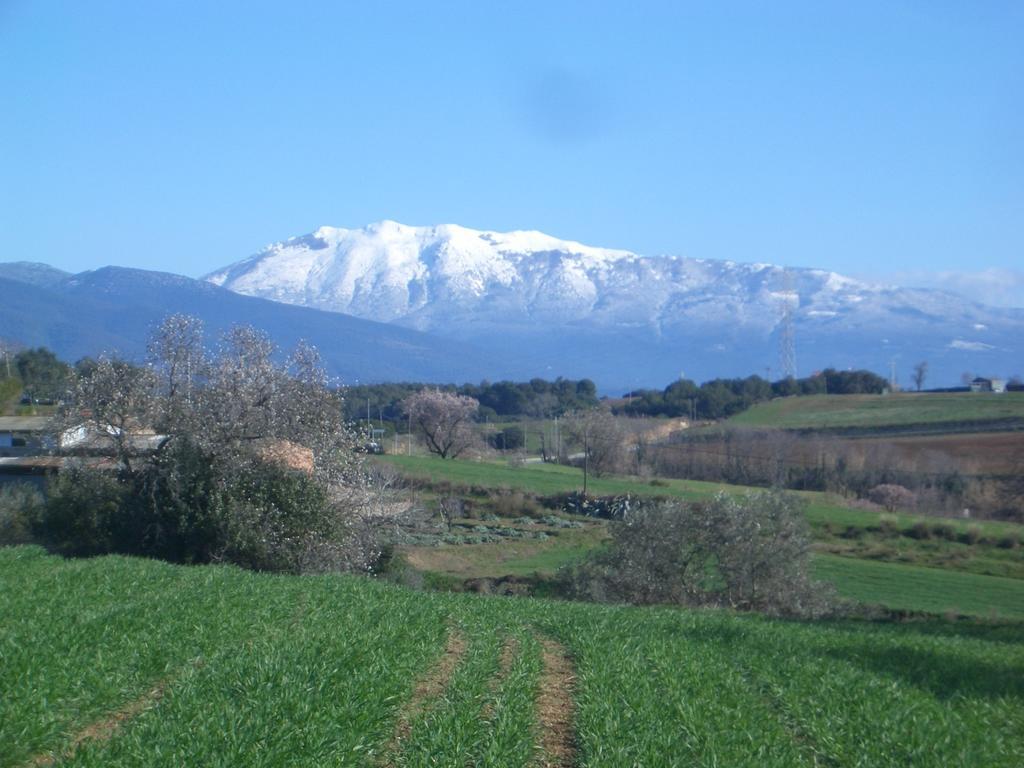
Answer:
(875, 139)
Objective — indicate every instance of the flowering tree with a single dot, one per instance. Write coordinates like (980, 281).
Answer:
(444, 419)
(229, 454)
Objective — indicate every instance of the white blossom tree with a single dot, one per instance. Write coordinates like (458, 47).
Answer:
(237, 454)
(444, 420)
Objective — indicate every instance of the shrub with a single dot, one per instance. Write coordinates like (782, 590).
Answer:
(514, 504)
(182, 509)
(508, 439)
(750, 553)
(20, 504)
(920, 530)
(86, 513)
(888, 523)
(1008, 541)
(971, 536)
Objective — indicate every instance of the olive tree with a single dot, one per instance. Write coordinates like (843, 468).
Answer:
(747, 553)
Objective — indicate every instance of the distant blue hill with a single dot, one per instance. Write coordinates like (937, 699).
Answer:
(113, 311)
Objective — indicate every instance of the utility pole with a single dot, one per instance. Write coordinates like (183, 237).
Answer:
(586, 458)
(409, 452)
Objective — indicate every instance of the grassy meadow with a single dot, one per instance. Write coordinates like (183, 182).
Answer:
(123, 662)
(898, 561)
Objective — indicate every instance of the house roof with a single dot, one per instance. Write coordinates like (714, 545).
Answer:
(23, 464)
(24, 423)
(29, 463)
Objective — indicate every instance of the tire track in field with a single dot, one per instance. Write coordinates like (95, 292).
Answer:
(428, 688)
(556, 711)
(105, 728)
(802, 738)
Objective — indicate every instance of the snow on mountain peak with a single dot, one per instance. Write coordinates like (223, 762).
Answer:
(391, 271)
(445, 276)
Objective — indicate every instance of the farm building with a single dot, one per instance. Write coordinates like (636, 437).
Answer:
(981, 384)
(23, 435)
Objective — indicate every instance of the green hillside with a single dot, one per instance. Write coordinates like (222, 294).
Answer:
(912, 588)
(834, 411)
(125, 662)
(544, 479)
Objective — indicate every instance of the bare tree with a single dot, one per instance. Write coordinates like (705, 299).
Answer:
(920, 374)
(449, 508)
(444, 419)
(602, 438)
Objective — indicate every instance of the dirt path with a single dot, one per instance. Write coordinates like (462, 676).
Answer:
(555, 708)
(429, 687)
(508, 655)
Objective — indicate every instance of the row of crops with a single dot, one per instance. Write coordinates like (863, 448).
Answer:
(219, 667)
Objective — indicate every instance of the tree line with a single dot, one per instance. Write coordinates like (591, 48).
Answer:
(37, 374)
(722, 398)
(43, 377)
(537, 398)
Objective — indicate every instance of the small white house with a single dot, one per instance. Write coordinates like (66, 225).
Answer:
(981, 384)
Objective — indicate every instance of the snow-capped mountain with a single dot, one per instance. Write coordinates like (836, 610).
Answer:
(539, 298)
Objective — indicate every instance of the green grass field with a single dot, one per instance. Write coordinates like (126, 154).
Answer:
(836, 528)
(912, 588)
(127, 662)
(547, 479)
(551, 479)
(824, 411)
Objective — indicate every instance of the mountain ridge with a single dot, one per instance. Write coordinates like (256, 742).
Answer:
(525, 287)
(112, 310)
